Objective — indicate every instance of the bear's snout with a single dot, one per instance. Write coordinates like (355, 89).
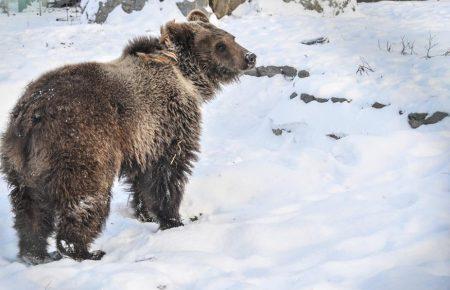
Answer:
(250, 59)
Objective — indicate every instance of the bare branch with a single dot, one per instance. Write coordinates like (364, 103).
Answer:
(430, 46)
(364, 67)
(388, 46)
(403, 51)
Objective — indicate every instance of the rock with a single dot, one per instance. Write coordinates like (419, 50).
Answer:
(319, 40)
(103, 11)
(186, 6)
(279, 131)
(293, 95)
(288, 71)
(334, 136)
(103, 8)
(307, 98)
(219, 7)
(252, 72)
(303, 74)
(224, 7)
(271, 71)
(340, 100)
(333, 7)
(416, 120)
(377, 105)
(436, 117)
(268, 71)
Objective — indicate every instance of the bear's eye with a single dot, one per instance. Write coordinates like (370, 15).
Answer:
(221, 47)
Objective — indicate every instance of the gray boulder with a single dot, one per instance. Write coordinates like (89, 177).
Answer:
(224, 7)
(270, 71)
(307, 98)
(186, 6)
(416, 120)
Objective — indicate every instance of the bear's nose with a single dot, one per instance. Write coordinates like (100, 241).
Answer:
(250, 58)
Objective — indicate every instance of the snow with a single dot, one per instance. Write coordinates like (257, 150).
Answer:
(295, 211)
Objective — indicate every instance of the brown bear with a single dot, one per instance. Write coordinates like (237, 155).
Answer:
(76, 128)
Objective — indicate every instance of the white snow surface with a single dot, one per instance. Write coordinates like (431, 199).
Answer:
(295, 211)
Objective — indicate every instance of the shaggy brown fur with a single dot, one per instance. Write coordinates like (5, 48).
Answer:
(78, 127)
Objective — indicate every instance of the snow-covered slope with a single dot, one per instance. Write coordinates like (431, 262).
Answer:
(299, 210)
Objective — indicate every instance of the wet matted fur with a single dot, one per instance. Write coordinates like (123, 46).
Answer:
(78, 127)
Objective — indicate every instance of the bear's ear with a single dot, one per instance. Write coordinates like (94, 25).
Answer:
(177, 33)
(197, 15)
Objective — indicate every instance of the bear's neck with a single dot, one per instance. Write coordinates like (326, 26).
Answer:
(190, 69)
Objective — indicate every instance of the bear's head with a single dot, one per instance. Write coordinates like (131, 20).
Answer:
(214, 50)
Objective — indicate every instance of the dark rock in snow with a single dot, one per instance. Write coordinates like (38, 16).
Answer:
(224, 7)
(321, 100)
(319, 40)
(252, 72)
(293, 95)
(303, 74)
(334, 136)
(307, 98)
(377, 105)
(436, 117)
(337, 6)
(279, 131)
(271, 70)
(340, 100)
(288, 71)
(186, 6)
(416, 120)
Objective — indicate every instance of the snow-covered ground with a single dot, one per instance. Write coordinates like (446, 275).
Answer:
(296, 211)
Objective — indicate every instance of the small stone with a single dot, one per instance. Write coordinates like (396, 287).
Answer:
(400, 112)
(307, 98)
(303, 74)
(321, 100)
(377, 105)
(289, 71)
(334, 136)
(293, 95)
(319, 40)
(339, 100)
(277, 132)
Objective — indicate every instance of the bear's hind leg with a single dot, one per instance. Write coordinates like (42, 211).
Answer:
(81, 220)
(34, 222)
(158, 193)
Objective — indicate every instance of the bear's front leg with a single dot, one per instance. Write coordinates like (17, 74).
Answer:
(158, 191)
